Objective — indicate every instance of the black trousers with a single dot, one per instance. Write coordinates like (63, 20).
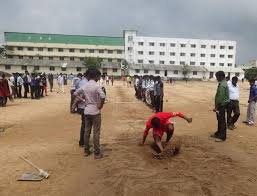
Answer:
(38, 91)
(19, 88)
(51, 86)
(158, 103)
(221, 133)
(72, 98)
(26, 90)
(233, 106)
(82, 128)
(33, 92)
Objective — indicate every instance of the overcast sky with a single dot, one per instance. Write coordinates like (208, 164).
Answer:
(205, 19)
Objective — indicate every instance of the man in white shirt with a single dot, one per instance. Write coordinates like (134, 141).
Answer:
(19, 85)
(60, 81)
(12, 84)
(233, 105)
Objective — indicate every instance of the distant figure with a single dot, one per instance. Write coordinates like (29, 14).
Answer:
(243, 80)
(13, 86)
(112, 80)
(60, 81)
(51, 81)
(129, 81)
(4, 91)
(107, 79)
(19, 85)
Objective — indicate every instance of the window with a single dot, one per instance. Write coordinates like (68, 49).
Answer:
(151, 43)
(60, 49)
(172, 44)
(109, 60)
(161, 62)
(172, 53)
(194, 73)
(175, 72)
(230, 64)
(203, 46)
(151, 52)
(145, 71)
(105, 70)
(72, 58)
(151, 61)
(114, 70)
(78, 69)
(81, 59)
(110, 51)
(50, 49)
(52, 68)
(30, 49)
(140, 43)
(119, 51)
(192, 54)
(20, 57)
(10, 57)
(40, 49)
(192, 63)
(182, 62)
(20, 48)
(221, 64)
(130, 38)
(71, 50)
(140, 61)
(213, 47)
(51, 58)
(63, 68)
(162, 44)
(101, 51)
(36, 68)
(193, 45)
(82, 50)
(137, 70)
(222, 47)
(162, 53)
(140, 52)
(202, 55)
(130, 49)
(40, 58)
(237, 74)
(212, 64)
(182, 45)
(30, 57)
(62, 58)
(222, 56)
(91, 51)
(231, 47)
(119, 60)
(172, 62)
(230, 56)
(182, 54)
(7, 67)
(202, 63)
(212, 55)
(23, 67)
(157, 71)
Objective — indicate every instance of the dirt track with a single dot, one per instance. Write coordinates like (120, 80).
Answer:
(45, 132)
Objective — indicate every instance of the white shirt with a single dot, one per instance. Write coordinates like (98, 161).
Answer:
(151, 85)
(233, 92)
(12, 81)
(19, 81)
(60, 80)
(229, 83)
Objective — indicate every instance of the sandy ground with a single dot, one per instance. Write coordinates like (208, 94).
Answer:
(46, 133)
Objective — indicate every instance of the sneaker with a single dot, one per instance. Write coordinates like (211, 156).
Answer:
(99, 156)
(86, 153)
(249, 124)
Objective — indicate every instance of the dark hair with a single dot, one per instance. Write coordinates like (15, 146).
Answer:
(3, 75)
(252, 80)
(220, 74)
(156, 122)
(79, 74)
(235, 78)
(93, 73)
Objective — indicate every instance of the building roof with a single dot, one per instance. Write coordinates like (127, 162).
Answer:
(225, 69)
(63, 39)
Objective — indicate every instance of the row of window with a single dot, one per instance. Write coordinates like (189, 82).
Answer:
(230, 56)
(63, 58)
(140, 61)
(203, 46)
(158, 71)
(72, 50)
(51, 68)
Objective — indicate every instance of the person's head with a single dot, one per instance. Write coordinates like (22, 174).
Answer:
(26, 72)
(156, 123)
(61, 74)
(94, 74)
(252, 82)
(158, 78)
(3, 76)
(79, 75)
(234, 80)
(220, 75)
(228, 78)
(20, 74)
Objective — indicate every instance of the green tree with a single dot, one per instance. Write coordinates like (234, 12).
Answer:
(251, 73)
(186, 70)
(90, 62)
(2, 51)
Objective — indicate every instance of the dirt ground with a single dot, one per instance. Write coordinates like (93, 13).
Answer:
(46, 133)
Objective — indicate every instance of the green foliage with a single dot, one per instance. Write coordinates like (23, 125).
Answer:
(186, 70)
(251, 73)
(124, 64)
(2, 51)
(92, 62)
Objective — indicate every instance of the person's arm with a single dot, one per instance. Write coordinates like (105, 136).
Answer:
(78, 98)
(255, 97)
(146, 131)
(102, 97)
(181, 115)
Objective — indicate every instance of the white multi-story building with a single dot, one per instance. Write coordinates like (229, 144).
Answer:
(212, 55)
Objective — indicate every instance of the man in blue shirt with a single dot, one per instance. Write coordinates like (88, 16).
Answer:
(250, 119)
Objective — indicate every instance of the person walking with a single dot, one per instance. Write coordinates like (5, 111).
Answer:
(233, 105)
(221, 102)
(251, 110)
(94, 99)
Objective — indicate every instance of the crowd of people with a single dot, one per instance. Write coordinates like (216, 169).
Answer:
(149, 89)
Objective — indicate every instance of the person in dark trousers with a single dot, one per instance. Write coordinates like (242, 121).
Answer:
(74, 87)
(33, 86)
(158, 95)
(94, 101)
(26, 84)
(51, 81)
(221, 103)
(233, 106)
(38, 87)
(19, 85)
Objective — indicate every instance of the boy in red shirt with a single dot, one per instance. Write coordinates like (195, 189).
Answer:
(160, 122)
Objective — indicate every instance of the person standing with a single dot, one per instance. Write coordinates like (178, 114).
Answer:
(12, 84)
(44, 83)
(19, 85)
(51, 81)
(26, 83)
(112, 80)
(221, 102)
(4, 91)
(33, 86)
(107, 80)
(158, 95)
(60, 81)
(233, 105)
(74, 87)
(250, 118)
(94, 101)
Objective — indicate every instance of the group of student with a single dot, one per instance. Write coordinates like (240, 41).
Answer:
(149, 89)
